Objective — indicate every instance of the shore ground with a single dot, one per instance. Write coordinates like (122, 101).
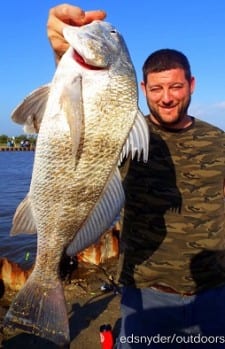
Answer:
(89, 307)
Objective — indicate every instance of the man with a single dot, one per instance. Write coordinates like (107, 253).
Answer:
(172, 263)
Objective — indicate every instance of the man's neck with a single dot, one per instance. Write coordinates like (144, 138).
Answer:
(186, 122)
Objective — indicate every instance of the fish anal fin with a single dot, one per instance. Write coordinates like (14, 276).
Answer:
(104, 215)
(23, 220)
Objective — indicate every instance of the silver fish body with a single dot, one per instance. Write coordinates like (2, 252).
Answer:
(88, 121)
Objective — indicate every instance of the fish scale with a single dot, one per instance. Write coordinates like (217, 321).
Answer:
(86, 118)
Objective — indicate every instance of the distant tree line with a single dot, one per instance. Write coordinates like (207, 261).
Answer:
(18, 139)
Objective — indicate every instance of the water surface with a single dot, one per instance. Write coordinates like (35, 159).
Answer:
(15, 175)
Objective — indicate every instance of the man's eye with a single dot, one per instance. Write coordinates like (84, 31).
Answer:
(155, 89)
(176, 87)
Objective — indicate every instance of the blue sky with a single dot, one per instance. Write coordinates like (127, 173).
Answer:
(197, 28)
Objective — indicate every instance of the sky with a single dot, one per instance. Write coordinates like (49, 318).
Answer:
(194, 27)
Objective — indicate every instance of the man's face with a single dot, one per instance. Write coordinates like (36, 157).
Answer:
(168, 95)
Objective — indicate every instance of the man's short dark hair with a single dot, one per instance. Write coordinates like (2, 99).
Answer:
(166, 59)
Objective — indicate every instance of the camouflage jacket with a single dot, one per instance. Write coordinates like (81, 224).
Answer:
(173, 228)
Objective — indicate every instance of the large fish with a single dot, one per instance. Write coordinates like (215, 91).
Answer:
(88, 121)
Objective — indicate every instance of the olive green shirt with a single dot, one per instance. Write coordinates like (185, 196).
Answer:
(173, 228)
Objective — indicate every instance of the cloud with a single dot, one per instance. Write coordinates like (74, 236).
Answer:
(220, 105)
(213, 113)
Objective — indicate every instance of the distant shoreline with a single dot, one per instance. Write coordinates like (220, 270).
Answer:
(17, 148)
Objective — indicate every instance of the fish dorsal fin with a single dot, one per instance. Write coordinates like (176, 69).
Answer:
(104, 215)
(138, 140)
(30, 112)
(71, 103)
(23, 221)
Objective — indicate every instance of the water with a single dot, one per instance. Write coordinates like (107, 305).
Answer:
(15, 175)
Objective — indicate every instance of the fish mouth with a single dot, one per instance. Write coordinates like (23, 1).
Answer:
(80, 60)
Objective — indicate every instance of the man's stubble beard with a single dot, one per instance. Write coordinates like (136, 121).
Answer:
(181, 114)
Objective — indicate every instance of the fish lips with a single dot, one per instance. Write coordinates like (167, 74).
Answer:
(87, 59)
(80, 60)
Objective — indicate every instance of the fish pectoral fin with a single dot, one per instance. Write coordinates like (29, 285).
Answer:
(138, 140)
(30, 112)
(104, 216)
(72, 106)
(23, 221)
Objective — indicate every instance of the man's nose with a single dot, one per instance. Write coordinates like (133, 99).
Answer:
(166, 96)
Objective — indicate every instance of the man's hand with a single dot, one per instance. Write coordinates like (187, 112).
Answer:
(64, 14)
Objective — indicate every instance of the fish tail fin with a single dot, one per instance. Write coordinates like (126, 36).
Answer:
(40, 311)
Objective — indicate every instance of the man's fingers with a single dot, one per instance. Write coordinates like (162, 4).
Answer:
(94, 15)
(67, 13)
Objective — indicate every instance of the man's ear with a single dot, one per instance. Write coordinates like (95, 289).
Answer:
(192, 84)
(143, 87)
